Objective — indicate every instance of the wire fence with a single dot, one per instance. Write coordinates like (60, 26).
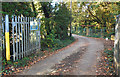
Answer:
(93, 31)
(89, 31)
(23, 40)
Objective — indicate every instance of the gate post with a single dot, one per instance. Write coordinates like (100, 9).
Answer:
(117, 46)
(7, 37)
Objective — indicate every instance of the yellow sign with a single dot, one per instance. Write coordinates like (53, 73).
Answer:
(112, 37)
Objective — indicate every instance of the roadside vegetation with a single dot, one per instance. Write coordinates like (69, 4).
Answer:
(106, 63)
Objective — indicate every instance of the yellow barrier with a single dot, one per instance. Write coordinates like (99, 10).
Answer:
(7, 45)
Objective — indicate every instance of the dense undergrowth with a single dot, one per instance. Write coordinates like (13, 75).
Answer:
(9, 67)
(51, 42)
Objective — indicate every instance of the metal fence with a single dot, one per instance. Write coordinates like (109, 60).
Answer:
(87, 31)
(23, 40)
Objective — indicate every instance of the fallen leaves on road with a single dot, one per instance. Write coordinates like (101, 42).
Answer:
(105, 65)
(67, 64)
(10, 69)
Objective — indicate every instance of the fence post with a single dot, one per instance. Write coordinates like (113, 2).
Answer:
(19, 37)
(7, 37)
(13, 24)
(25, 22)
(16, 38)
(87, 31)
(39, 33)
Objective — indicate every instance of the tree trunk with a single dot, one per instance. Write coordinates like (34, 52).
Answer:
(33, 6)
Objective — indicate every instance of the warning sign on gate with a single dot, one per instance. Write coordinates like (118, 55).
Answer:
(33, 25)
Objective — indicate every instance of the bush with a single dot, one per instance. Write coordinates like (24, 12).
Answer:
(51, 42)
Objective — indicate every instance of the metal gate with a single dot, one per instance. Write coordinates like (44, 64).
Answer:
(18, 39)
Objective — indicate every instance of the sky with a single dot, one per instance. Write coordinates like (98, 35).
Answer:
(55, 1)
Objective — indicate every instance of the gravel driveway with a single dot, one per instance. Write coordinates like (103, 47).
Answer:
(85, 65)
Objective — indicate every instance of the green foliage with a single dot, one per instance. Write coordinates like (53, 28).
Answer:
(17, 8)
(55, 25)
(50, 41)
(108, 35)
(96, 13)
(109, 52)
(46, 8)
(62, 20)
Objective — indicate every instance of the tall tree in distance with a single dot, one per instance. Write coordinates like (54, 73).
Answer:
(34, 9)
(46, 7)
(62, 20)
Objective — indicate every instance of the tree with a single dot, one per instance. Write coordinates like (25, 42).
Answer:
(62, 20)
(17, 8)
(99, 13)
(46, 7)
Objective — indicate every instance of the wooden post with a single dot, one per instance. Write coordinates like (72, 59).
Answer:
(87, 31)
